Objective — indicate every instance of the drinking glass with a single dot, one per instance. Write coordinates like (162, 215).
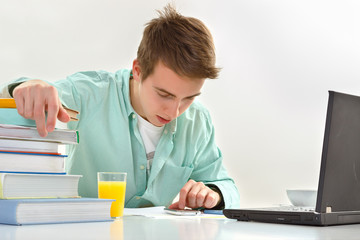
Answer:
(112, 185)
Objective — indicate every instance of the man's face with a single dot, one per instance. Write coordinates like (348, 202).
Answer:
(163, 95)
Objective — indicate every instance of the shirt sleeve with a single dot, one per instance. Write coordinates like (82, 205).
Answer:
(6, 89)
(209, 168)
(4, 92)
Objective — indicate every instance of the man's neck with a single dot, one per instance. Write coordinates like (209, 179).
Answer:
(134, 97)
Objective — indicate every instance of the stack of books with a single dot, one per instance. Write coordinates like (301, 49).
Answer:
(34, 187)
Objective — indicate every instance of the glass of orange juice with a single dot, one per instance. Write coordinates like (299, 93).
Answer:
(112, 185)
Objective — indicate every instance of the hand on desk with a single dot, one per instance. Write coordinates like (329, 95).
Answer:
(196, 195)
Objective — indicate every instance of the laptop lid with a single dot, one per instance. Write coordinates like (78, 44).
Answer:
(339, 181)
(338, 199)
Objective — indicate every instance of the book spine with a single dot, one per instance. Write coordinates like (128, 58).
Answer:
(1, 186)
(42, 197)
(8, 212)
(33, 153)
(30, 152)
(55, 173)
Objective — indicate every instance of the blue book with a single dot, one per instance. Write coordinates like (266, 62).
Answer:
(11, 116)
(58, 210)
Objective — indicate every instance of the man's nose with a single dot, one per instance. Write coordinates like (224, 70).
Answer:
(174, 109)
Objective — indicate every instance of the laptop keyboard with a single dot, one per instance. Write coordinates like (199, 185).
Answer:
(290, 208)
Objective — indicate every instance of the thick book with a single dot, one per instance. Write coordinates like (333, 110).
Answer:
(23, 162)
(56, 210)
(15, 186)
(66, 136)
(10, 103)
(29, 146)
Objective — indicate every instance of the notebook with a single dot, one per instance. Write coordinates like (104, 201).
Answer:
(338, 195)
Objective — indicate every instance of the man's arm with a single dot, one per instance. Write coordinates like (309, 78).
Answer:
(210, 185)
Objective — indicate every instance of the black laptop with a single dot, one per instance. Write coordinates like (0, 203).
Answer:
(338, 195)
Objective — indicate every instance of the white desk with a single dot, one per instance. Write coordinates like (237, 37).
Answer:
(143, 228)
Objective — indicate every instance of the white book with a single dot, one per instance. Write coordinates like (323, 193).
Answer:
(29, 146)
(15, 185)
(66, 136)
(31, 162)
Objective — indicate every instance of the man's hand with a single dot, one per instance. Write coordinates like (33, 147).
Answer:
(196, 195)
(35, 97)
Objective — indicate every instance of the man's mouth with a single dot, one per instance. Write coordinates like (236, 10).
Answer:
(162, 120)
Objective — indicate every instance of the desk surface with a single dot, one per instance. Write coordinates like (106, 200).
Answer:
(137, 227)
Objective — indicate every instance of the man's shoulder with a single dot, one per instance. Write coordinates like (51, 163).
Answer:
(197, 118)
(196, 112)
(100, 76)
(94, 87)
(198, 107)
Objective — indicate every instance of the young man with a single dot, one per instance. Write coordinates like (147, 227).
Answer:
(144, 121)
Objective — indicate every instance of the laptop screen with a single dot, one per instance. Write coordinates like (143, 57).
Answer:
(339, 182)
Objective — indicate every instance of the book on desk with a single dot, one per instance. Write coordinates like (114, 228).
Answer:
(55, 210)
(34, 187)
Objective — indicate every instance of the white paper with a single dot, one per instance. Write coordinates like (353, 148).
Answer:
(158, 212)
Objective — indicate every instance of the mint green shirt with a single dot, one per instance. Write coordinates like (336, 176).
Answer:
(110, 142)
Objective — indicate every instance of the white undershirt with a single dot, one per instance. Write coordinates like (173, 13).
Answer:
(150, 135)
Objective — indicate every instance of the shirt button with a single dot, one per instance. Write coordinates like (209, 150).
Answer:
(134, 116)
(142, 167)
(137, 198)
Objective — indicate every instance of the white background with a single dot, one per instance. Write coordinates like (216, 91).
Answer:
(278, 59)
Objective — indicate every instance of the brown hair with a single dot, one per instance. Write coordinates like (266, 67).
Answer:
(183, 44)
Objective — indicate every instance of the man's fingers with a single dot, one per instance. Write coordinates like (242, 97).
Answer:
(201, 196)
(39, 116)
(28, 108)
(211, 199)
(194, 194)
(52, 112)
(174, 205)
(63, 116)
(20, 105)
(33, 98)
(184, 193)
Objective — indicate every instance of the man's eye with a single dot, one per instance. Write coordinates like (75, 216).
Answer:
(164, 95)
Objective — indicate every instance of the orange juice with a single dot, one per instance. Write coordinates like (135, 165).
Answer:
(113, 190)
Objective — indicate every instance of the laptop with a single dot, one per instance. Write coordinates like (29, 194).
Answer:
(338, 195)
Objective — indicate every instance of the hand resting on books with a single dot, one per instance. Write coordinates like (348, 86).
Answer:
(35, 97)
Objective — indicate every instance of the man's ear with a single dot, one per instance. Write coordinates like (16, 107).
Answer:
(136, 71)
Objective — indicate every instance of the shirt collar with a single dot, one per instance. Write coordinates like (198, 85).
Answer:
(172, 126)
(126, 90)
